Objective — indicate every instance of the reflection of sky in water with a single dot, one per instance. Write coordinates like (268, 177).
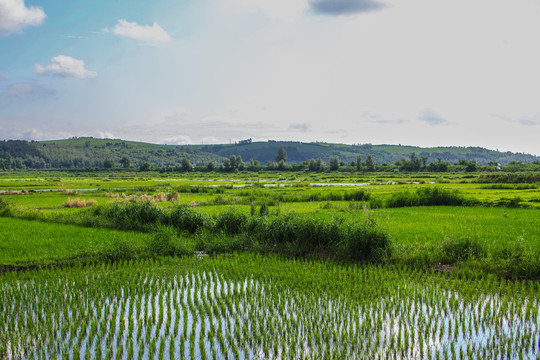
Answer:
(258, 319)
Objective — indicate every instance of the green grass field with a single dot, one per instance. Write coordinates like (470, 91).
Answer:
(25, 242)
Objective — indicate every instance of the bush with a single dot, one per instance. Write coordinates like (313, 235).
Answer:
(357, 195)
(432, 196)
(220, 242)
(185, 218)
(162, 243)
(307, 234)
(366, 241)
(133, 215)
(231, 222)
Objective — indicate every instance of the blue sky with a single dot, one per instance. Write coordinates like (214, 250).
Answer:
(418, 72)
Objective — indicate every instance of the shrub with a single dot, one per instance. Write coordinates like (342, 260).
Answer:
(133, 215)
(231, 222)
(432, 196)
(357, 195)
(308, 234)
(366, 241)
(161, 243)
(185, 218)
(220, 242)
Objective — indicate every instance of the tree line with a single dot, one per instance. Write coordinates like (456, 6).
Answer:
(177, 163)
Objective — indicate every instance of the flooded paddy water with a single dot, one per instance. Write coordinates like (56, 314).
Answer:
(263, 307)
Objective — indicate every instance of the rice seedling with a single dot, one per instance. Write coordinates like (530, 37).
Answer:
(251, 306)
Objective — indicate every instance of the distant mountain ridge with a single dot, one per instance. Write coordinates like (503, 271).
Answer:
(86, 152)
(301, 151)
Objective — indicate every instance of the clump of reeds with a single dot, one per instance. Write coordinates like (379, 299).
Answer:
(70, 192)
(79, 203)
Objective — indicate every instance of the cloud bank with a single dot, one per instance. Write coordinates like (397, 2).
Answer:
(178, 140)
(65, 66)
(152, 35)
(14, 15)
(432, 118)
(304, 127)
(344, 7)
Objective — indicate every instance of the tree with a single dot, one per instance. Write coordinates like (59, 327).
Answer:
(211, 166)
(282, 165)
(145, 166)
(320, 164)
(281, 155)
(414, 162)
(358, 163)
(438, 166)
(370, 163)
(125, 162)
(186, 165)
(334, 163)
(7, 162)
(108, 164)
(253, 165)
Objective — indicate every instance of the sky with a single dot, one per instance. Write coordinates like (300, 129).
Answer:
(414, 72)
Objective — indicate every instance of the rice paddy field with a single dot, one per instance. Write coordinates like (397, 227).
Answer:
(247, 266)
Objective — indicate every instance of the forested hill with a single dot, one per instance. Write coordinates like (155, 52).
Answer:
(299, 151)
(90, 152)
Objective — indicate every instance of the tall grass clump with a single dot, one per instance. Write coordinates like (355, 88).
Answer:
(134, 215)
(303, 234)
(231, 222)
(461, 249)
(161, 243)
(509, 178)
(432, 196)
(185, 218)
(366, 241)
(357, 195)
(79, 203)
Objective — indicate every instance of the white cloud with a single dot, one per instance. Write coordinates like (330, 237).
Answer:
(303, 127)
(14, 15)
(211, 140)
(432, 118)
(65, 66)
(103, 135)
(153, 35)
(178, 140)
